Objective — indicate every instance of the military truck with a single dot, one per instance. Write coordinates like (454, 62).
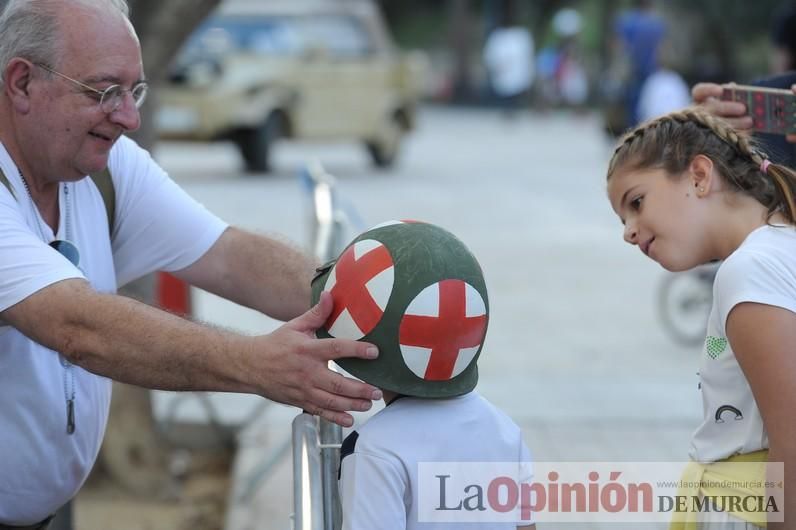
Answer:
(257, 72)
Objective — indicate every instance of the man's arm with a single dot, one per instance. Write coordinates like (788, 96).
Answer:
(255, 271)
(131, 342)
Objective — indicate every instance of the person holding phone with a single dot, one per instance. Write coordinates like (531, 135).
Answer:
(780, 148)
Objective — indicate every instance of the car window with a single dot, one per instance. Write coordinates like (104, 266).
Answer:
(338, 36)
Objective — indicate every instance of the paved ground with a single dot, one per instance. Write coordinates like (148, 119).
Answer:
(574, 352)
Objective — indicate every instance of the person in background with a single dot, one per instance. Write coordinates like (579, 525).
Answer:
(664, 91)
(509, 59)
(562, 77)
(783, 69)
(638, 35)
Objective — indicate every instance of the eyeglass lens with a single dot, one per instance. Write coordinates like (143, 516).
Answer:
(112, 97)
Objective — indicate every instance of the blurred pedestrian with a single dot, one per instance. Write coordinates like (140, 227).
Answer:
(562, 77)
(664, 91)
(508, 56)
(573, 84)
(638, 34)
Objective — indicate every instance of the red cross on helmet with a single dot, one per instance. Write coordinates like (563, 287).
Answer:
(415, 291)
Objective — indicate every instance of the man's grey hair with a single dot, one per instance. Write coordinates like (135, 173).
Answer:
(30, 28)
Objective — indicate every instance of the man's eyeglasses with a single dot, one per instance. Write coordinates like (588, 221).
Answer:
(112, 97)
(68, 250)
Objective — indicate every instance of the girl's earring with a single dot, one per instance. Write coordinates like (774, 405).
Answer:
(701, 190)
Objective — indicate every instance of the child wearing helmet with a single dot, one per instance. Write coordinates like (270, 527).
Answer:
(689, 189)
(417, 292)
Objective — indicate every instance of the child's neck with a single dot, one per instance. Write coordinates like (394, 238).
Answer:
(388, 396)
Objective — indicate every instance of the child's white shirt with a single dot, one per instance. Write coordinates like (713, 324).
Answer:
(379, 468)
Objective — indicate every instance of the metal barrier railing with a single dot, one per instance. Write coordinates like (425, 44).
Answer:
(316, 442)
(316, 456)
(307, 481)
(331, 437)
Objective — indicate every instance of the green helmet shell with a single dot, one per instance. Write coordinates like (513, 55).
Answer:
(415, 291)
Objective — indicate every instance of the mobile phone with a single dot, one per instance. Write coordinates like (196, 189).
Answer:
(773, 110)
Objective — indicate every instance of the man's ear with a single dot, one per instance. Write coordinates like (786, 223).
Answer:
(703, 175)
(17, 78)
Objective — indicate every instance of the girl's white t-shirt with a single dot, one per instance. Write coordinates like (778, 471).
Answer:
(762, 270)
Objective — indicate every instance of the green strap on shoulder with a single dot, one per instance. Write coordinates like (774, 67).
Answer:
(5, 182)
(104, 184)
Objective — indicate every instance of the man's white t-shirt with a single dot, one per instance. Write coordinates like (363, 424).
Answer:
(379, 468)
(157, 227)
(762, 270)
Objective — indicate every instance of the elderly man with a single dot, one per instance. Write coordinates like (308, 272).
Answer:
(72, 81)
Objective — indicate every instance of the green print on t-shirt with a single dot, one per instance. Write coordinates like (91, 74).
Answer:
(715, 346)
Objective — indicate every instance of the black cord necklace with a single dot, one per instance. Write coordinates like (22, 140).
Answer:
(69, 376)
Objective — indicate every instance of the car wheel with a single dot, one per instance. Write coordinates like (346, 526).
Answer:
(384, 149)
(255, 144)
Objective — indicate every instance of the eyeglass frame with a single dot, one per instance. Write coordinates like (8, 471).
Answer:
(102, 94)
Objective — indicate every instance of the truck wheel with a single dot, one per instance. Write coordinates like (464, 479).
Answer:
(255, 144)
(384, 149)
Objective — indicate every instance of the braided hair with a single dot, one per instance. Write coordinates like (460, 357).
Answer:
(671, 142)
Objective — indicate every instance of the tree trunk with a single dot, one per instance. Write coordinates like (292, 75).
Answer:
(162, 28)
(461, 38)
(132, 453)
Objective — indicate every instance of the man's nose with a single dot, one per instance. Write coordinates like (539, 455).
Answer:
(127, 115)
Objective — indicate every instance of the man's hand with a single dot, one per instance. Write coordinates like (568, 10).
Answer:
(708, 96)
(297, 373)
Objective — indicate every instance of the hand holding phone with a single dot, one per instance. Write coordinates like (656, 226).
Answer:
(772, 110)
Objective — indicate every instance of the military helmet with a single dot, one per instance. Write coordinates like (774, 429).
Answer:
(415, 291)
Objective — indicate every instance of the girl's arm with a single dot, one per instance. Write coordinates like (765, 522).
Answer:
(763, 338)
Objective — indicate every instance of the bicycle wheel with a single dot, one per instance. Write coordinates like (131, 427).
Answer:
(684, 302)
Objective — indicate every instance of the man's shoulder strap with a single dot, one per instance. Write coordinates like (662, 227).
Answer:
(104, 184)
(4, 181)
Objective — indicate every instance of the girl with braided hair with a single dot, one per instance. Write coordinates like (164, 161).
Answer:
(689, 189)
